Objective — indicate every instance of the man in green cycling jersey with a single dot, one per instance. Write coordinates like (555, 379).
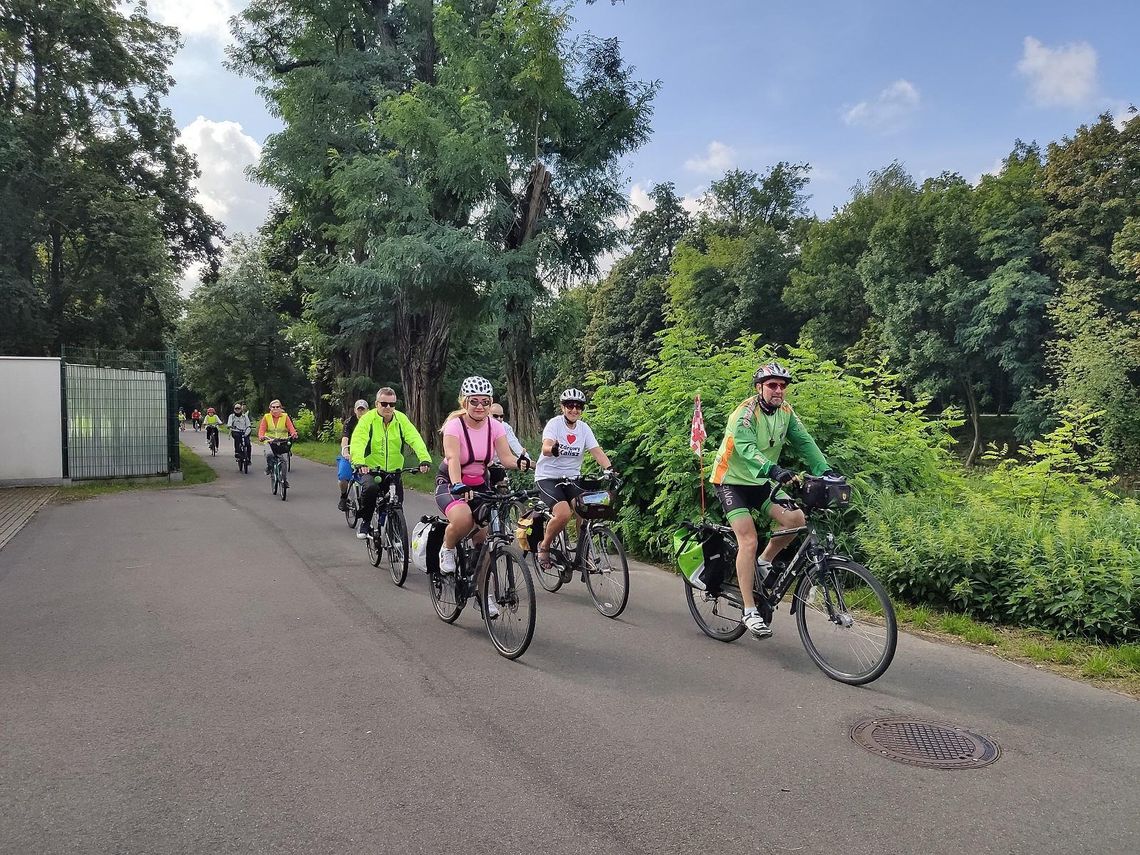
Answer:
(746, 465)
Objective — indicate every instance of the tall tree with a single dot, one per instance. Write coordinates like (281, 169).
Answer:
(1092, 189)
(97, 218)
(232, 340)
(826, 287)
(628, 308)
(729, 275)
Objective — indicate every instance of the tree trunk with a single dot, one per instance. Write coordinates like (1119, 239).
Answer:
(423, 335)
(515, 341)
(975, 420)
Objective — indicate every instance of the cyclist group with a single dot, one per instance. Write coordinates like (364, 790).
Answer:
(478, 443)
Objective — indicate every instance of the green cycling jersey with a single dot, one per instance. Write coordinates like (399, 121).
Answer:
(754, 439)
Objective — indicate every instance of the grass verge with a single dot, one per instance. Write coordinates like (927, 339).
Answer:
(327, 453)
(1109, 666)
(194, 471)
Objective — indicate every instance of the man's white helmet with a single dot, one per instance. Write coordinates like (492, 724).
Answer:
(476, 386)
(572, 394)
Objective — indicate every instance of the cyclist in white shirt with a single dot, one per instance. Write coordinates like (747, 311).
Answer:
(565, 440)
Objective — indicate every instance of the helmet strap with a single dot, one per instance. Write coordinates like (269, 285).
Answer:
(764, 405)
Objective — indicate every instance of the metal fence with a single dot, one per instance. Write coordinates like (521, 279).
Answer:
(120, 414)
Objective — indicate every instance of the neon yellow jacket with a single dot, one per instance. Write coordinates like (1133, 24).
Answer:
(381, 446)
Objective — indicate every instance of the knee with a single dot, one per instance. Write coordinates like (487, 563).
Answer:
(746, 540)
(562, 512)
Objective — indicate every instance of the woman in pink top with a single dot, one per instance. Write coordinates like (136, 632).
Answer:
(471, 439)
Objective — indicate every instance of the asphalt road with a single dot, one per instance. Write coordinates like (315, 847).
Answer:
(212, 670)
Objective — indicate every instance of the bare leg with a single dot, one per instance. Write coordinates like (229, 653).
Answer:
(745, 531)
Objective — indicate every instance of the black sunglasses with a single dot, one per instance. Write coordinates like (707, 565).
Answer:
(386, 404)
(573, 405)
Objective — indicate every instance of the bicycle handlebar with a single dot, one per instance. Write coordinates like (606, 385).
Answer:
(408, 469)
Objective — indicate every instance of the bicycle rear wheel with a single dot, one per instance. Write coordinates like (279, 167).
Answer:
(445, 595)
(846, 622)
(716, 616)
(507, 583)
(396, 546)
(551, 580)
(351, 508)
(607, 571)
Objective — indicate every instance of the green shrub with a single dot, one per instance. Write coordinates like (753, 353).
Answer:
(303, 422)
(331, 432)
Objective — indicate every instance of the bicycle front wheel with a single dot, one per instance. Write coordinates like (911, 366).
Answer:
(607, 572)
(275, 477)
(507, 584)
(396, 546)
(846, 621)
(351, 508)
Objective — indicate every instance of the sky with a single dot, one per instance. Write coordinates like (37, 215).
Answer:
(846, 86)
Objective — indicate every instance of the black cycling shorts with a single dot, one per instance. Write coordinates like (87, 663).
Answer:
(555, 490)
(738, 499)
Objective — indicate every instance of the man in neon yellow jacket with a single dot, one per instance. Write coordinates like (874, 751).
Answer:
(378, 443)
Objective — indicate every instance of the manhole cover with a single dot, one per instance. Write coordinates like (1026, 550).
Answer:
(930, 744)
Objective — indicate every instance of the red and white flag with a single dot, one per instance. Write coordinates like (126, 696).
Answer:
(697, 435)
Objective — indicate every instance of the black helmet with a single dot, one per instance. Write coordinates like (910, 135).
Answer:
(771, 370)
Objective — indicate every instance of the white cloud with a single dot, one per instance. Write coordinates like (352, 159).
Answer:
(197, 18)
(224, 151)
(1064, 76)
(889, 110)
(640, 200)
(718, 158)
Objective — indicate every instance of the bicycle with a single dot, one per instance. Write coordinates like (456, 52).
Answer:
(279, 465)
(502, 567)
(352, 501)
(598, 555)
(243, 450)
(389, 529)
(836, 601)
(212, 439)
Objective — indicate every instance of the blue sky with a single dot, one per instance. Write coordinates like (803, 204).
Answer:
(847, 86)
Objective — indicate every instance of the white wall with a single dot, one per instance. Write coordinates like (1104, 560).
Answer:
(31, 443)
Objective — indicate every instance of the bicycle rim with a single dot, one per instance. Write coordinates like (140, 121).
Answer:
(607, 572)
(716, 616)
(396, 547)
(508, 584)
(846, 622)
(444, 597)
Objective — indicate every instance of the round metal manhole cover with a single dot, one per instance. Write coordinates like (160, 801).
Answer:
(930, 744)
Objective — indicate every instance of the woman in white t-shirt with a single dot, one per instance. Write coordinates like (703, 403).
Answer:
(565, 440)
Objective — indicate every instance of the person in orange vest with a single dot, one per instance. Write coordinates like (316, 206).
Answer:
(275, 424)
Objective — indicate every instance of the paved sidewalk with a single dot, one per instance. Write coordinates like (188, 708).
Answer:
(17, 506)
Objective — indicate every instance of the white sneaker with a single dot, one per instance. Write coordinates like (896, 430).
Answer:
(447, 561)
(754, 622)
(492, 607)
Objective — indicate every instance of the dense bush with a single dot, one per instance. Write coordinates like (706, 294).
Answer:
(1039, 543)
(860, 421)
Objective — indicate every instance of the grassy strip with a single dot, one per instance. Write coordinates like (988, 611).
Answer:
(1111, 666)
(194, 471)
(328, 452)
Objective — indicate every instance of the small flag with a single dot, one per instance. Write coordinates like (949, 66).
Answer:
(697, 435)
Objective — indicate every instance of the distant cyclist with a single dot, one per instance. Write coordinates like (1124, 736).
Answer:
(275, 424)
(240, 429)
(344, 462)
(746, 465)
(212, 422)
(196, 419)
(378, 442)
(565, 441)
(512, 440)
